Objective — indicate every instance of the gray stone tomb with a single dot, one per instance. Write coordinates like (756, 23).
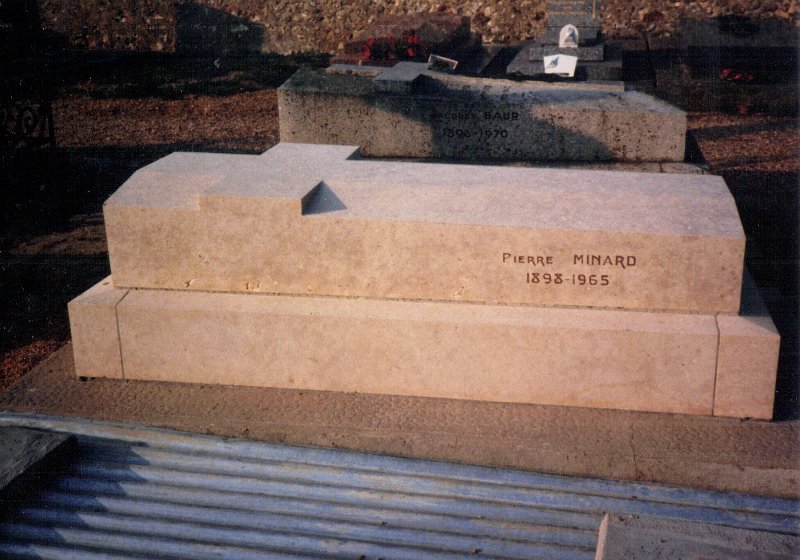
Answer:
(573, 28)
(411, 111)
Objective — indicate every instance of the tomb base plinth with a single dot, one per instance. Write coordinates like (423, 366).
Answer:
(660, 362)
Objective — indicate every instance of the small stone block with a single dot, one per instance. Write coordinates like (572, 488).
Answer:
(93, 323)
(634, 537)
(400, 78)
(748, 360)
(605, 70)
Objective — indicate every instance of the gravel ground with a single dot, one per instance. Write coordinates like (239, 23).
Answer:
(53, 244)
(247, 122)
(286, 26)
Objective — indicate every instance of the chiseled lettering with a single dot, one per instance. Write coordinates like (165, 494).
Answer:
(622, 261)
(535, 260)
(500, 115)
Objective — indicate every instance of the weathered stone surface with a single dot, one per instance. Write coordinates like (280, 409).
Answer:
(22, 449)
(748, 359)
(669, 167)
(586, 35)
(738, 33)
(584, 16)
(591, 53)
(304, 219)
(93, 324)
(661, 362)
(634, 537)
(715, 453)
(473, 118)
(400, 78)
(607, 359)
(583, 13)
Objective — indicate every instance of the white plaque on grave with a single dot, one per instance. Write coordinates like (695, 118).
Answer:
(560, 64)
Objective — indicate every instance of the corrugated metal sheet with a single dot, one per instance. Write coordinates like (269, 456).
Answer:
(139, 492)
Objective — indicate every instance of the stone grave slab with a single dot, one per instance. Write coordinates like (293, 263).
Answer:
(733, 63)
(315, 220)
(434, 115)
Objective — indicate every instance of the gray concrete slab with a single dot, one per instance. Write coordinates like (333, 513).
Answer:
(23, 448)
(635, 537)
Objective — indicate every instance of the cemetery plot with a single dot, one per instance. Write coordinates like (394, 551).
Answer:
(307, 267)
(427, 114)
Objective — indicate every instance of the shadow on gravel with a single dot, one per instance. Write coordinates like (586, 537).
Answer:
(52, 244)
(768, 207)
(52, 238)
(176, 75)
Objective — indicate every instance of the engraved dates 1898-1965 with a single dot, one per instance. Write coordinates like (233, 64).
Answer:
(545, 276)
